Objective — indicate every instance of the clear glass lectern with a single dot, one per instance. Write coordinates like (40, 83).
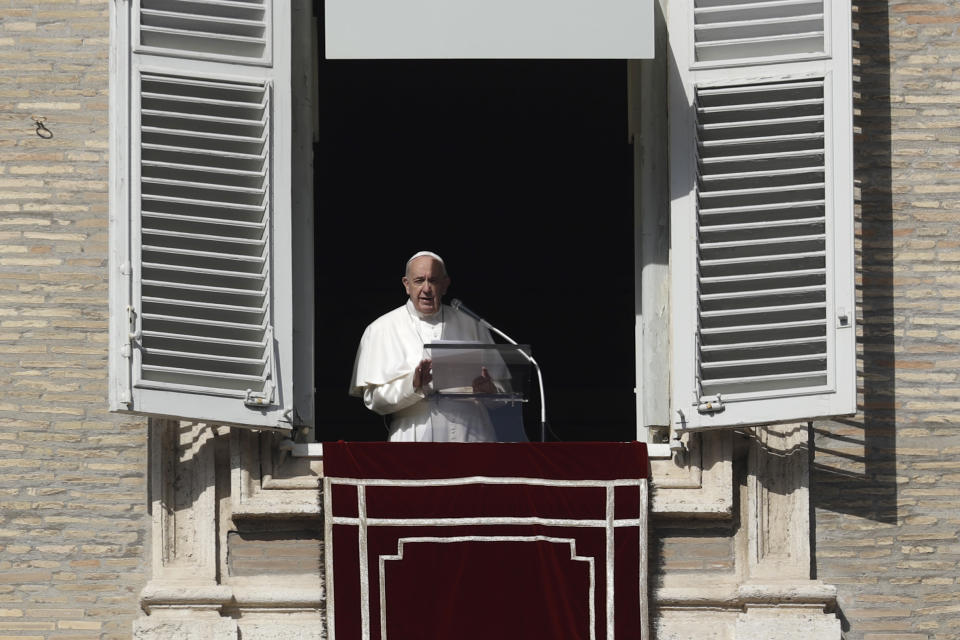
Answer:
(459, 370)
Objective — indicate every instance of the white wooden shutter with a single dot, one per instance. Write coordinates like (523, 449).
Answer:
(201, 316)
(762, 211)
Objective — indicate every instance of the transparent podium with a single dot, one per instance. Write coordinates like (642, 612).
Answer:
(496, 376)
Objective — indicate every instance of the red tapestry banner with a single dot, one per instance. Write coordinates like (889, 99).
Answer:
(433, 541)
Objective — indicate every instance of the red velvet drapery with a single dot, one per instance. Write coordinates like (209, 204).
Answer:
(481, 541)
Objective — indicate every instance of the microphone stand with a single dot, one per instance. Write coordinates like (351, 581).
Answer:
(456, 304)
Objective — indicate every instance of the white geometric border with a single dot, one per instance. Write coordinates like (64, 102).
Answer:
(363, 522)
(454, 539)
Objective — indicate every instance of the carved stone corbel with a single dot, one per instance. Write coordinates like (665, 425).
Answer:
(183, 600)
(781, 601)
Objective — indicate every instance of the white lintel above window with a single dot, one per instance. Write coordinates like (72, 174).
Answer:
(491, 29)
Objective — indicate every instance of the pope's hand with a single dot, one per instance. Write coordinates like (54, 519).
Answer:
(484, 383)
(422, 375)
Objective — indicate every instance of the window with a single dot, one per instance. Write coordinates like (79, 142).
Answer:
(211, 250)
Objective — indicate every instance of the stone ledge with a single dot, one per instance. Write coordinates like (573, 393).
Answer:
(184, 595)
(812, 593)
(251, 596)
(170, 597)
(280, 504)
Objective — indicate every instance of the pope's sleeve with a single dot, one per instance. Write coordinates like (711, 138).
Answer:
(392, 396)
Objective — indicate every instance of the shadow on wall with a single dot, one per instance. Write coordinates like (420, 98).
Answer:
(855, 459)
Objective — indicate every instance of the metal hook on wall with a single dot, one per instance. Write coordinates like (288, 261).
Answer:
(42, 130)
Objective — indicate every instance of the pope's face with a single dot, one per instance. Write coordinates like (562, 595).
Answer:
(426, 283)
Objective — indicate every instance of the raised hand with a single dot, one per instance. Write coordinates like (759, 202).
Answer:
(422, 375)
(484, 383)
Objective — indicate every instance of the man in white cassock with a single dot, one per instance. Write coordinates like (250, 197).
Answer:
(394, 377)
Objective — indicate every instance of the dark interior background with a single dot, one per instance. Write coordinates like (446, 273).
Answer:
(519, 174)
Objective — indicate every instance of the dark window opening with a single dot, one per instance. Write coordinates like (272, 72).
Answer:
(519, 173)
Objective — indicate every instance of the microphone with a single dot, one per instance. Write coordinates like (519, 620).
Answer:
(457, 304)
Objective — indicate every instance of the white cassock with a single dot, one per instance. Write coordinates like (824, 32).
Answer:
(390, 350)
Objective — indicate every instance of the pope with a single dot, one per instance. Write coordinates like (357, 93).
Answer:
(394, 378)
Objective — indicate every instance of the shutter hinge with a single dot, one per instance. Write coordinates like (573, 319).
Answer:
(260, 398)
(133, 335)
(712, 404)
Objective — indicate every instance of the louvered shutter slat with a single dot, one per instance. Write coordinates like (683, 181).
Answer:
(205, 185)
(198, 202)
(226, 5)
(214, 307)
(200, 287)
(203, 379)
(219, 24)
(760, 226)
(710, 147)
(762, 275)
(252, 242)
(739, 92)
(777, 8)
(759, 345)
(204, 272)
(184, 86)
(254, 261)
(196, 96)
(755, 159)
(705, 264)
(207, 136)
(217, 30)
(728, 30)
(213, 119)
(211, 342)
(742, 33)
(782, 308)
(757, 362)
(173, 218)
(200, 168)
(756, 242)
(771, 383)
(205, 326)
(180, 151)
(718, 212)
(762, 327)
(207, 357)
(786, 291)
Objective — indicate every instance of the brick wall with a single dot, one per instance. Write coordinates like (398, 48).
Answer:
(886, 485)
(73, 521)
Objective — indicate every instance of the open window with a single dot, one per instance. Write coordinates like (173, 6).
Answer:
(203, 308)
(211, 217)
(761, 132)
